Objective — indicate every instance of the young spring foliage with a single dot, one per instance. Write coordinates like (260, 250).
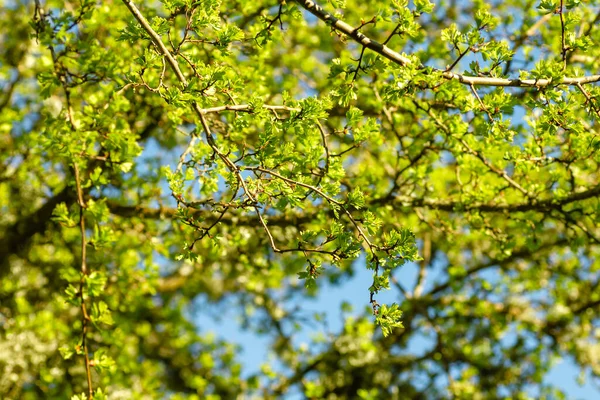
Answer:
(157, 157)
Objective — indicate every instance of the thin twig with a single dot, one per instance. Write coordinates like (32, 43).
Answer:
(187, 151)
(293, 182)
(325, 145)
(461, 54)
(82, 228)
(477, 154)
(392, 34)
(589, 100)
(483, 106)
(494, 169)
(563, 50)
(522, 38)
(423, 264)
(358, 67)
(84, 272)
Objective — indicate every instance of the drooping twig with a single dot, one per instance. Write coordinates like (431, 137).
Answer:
(82, 206)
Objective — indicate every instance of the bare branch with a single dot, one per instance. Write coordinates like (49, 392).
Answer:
(354, 33)
(246, 108)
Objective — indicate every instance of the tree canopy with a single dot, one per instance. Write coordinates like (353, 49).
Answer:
(156, 157)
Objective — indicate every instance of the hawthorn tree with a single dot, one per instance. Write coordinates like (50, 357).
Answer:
(247, 152)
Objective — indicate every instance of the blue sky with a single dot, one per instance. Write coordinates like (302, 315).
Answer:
(354, 291)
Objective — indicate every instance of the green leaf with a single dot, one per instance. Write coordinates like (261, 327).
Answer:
(99, 395)
(347, 94)
(388, 318)
(548, 6)
(66, 352)
(62, 215)
(94, 283)
(485, 19)
(101, 313)
(423, 6)
(72, 295)
(356, 198)
(353, 116)
(102, 361)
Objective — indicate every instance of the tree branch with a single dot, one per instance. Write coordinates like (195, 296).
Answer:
(354, 33)
(157, 41)
(399, 59)
(246, 108)
(128, 211)
(531, 205)
(521, 253)
(140, 211)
